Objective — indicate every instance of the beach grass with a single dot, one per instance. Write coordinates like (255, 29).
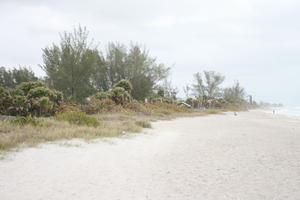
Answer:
(68, 126)
(12, 135)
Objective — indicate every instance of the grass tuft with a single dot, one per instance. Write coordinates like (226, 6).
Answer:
(22, 121)
(143, 123)
(78, 118)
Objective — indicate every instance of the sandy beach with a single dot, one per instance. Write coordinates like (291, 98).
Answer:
(252, 156)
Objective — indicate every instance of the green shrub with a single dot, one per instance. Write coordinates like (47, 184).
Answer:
(16, 92)
(78, 118)
(124, 84)
(27, 86)
(119, 95)
(40, 92)
(20, 106)
(22, 121)
(35, 99)
(102, 95)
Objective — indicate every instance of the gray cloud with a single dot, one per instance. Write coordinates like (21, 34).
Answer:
(254, 41)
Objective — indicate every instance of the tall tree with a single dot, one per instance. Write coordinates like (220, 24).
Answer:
(209, 86)
(235, 94)
(69, 66)
(136, 66)
(100, 79)
(116, 55)
(143, 72)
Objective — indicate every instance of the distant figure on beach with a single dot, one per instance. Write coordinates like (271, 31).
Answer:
(235, 113)
(273, 112)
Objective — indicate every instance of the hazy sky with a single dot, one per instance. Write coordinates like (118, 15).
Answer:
(254, 41)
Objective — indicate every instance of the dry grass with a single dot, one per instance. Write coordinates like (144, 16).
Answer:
(13, 136)
(131, 119)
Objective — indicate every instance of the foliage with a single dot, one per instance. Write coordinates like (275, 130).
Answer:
(235, 94)
(119, 95)
(124, 84)
(102, 95)
(200, 102)
(69, 66)
(6, 79)
(43, 101)
(145, 73)
(78, 69)
(5, 101)
(134, 65)
(115, 62)
(205, 101)
(25, 87)
(40, 92)
(22, 121)
(11, 78)
(78, 118)
(106, 101)
(100, 80)
(20, 105)
(30, 98)
(209, 86)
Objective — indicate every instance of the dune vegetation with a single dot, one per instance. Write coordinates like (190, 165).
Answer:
(30, 131)
(89, 94)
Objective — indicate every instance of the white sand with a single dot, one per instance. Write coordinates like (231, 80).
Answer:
(250, 156)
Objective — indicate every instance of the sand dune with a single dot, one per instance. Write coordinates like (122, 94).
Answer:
(251, 156)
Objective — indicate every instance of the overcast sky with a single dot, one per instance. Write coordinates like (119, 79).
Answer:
(254, 41)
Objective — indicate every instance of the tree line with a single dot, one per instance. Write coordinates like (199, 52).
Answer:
(206, 91)
(12, 78)
(76, 67)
